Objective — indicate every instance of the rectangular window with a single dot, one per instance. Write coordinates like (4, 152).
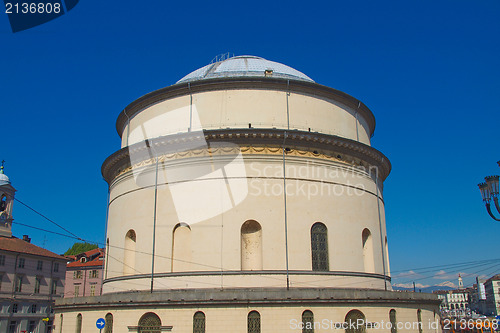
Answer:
(2, 260)
(18, 283)
(14, 308)
(53, 286)
(56, 267)
(94, 273)
(92, 290)
(1, 279)
(77, 290)
(39, 265)
(32, 326)
(20, 264)
(38, 281)
(33, 308)
(12, 326)
(77, 274)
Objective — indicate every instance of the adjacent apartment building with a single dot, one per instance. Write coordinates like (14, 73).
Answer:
(492, 288)
(478, 296)
(31, 278)
(84, 274)
(454, 300)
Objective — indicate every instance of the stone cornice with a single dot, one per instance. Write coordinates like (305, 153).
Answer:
(245, 273)
(245, 296)
(316, 145)
(300, 87)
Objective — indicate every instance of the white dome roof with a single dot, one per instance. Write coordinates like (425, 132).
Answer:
(245, 66)
(4, 179)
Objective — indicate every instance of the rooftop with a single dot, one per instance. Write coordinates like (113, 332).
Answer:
(245, 66)
(494, 278)
(14, 244)
(90, 258)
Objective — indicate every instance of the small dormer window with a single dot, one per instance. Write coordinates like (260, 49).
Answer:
(83, 259)
(268, 72)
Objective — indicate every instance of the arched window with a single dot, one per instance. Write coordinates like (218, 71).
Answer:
(254, 322)
(307, 322)
(3, 203)
(368, 259)
(387, 266)
(419, 318)
(355, 322)
(129, 253)
(181, 248)
(149, 323)
(319, 247)
(392, 319)
(108, 328)
(251, 246)
(79, 323)
(199, 322)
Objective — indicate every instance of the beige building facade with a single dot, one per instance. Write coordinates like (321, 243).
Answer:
(492, 288)
(246, 198)
(31, 277)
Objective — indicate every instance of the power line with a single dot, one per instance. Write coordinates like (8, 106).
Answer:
(122, 248)
(45, 230)
(45, 217)
(455, 271)
(467, 265)
(464, 265)
(443, 266)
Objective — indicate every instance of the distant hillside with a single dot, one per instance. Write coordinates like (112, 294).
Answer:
(424, 290)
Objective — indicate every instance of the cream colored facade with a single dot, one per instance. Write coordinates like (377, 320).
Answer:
(246, 182)
(261, 108)
(274, 318)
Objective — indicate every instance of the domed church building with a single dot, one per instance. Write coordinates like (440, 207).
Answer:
(247, 198)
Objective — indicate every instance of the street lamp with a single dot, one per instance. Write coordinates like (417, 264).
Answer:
(489, 190)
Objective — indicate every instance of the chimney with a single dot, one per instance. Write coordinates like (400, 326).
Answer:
(26, 238)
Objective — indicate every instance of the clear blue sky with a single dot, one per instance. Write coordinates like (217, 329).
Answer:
(429, 71)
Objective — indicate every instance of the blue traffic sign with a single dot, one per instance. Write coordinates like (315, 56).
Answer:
(100, 323)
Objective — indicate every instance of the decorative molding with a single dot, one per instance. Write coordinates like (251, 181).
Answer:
(162, 328)
(248, 141)
(262, 272)
(234, 298)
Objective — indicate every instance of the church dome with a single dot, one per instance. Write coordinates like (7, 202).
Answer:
(245, 66)
(3, 178)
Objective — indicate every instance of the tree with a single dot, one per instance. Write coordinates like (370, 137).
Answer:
(78, 248)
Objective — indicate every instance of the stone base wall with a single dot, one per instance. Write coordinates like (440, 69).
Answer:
(227, 310)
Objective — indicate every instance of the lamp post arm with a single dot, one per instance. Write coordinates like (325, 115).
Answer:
(488, 208)
(495, 199)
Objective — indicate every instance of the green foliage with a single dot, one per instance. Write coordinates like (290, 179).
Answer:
(78, 248)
